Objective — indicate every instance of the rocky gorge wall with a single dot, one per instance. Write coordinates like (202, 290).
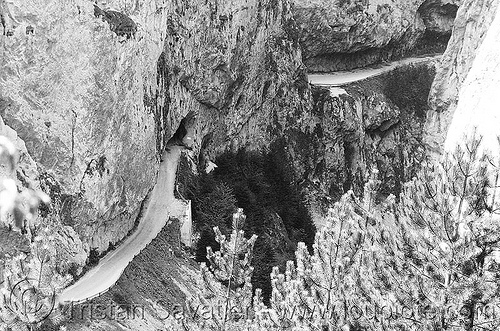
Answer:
(96, 109)
(355, 33)
(97, 94)
(473, 21)
(95, 98)
(372, 124)
(74, 94)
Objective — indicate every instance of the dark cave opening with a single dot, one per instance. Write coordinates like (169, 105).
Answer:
(184, 135)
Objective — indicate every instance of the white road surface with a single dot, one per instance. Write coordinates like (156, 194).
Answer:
(160, 207)
(340, 78)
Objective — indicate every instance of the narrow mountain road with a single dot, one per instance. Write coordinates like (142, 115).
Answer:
(162, 204)
(160, 207)
(340, 78)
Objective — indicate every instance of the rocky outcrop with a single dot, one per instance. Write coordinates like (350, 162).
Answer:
(351, 26)
(75, 96)
(348, 34)
(473, 21)
(236, 66)
(363, 126)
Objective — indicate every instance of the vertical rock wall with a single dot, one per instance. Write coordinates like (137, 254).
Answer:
(341, 35)
(73, 90)
(370, 124)
(479, 98)
(470, 28)
(96, 105)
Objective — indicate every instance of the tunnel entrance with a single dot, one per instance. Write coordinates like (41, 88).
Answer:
(184, 136)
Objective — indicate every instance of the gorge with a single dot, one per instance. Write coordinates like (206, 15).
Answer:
(97, 97)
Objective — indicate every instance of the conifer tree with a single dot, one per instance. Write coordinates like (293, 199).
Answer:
(316, 292)
(425, 262)
(433, 251)
(231, 268)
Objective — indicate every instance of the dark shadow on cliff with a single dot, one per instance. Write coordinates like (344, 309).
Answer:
(407, 88)
(118, 22)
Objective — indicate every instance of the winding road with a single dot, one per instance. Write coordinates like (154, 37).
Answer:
(161, 206)
(340, 78)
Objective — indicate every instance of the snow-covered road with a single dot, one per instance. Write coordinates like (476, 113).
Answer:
(340, 78)
(160, 207)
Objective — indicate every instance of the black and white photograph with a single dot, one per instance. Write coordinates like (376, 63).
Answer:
(250, 165)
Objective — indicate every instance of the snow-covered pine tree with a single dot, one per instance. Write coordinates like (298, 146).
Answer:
(230, 266)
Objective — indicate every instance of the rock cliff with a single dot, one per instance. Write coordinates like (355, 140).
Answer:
(74, 94)
(96, 103)
(474, 18)
(96, 107)
(478, 99)
(348, 34)
(371, 124)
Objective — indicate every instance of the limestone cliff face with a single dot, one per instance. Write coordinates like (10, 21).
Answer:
(96, 103)
(470, 28)
(478, 100)
(235, 64)
(74, 94)
(342, 35)
(96, 106)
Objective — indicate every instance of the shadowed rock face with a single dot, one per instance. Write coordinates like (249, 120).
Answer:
(341, 35)
(439, 15)
(118, 22)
